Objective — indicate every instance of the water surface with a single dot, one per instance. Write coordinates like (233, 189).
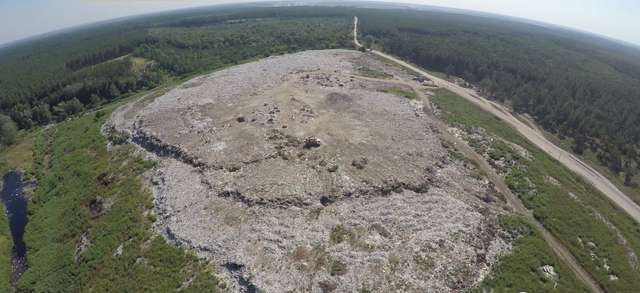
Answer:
(16, 206)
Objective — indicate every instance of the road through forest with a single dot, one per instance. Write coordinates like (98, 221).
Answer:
(569, 160)
(559, 249)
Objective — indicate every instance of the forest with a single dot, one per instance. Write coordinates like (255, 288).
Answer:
(51, 79)
(579, 87)
(576, 86)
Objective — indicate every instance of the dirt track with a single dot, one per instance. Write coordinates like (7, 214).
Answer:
(567, 159)
(534, 136)
(513, 201)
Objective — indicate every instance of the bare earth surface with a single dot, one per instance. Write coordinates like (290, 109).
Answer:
(296, 173)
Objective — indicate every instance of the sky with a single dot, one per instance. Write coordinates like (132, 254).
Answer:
(618, 19)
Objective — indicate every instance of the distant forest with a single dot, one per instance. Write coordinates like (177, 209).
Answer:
(576, 86)
(48, 80)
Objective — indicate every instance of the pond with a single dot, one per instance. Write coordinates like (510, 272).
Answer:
(16, 206)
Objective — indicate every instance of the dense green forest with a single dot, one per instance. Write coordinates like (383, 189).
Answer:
(54, 78)
(574, 85)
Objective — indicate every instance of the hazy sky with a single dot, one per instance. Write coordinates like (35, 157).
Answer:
(618, 19)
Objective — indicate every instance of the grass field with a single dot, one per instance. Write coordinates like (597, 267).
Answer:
(590, 157)
(17, 156)
(602, 238)
(5, 252)
(90, 220)
(409, 94)
(519, 271)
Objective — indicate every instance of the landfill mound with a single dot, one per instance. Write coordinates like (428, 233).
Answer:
(305, 172)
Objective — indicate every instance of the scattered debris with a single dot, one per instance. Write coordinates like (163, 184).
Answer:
(82, 245)
(551, 180)
(549, 272)
(119, 250)
(263, 201)
(311, 143)
(360, 163)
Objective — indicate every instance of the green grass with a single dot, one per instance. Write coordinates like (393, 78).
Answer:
(6, 245)
(409, 94)
(69, 162)
(590, 157)
(19, 155)
(519, 271)
(373, 73)
(567, 218)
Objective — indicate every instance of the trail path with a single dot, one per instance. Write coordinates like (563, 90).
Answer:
(569, 160)
(512, 200)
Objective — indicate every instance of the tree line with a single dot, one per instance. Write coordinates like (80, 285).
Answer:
(53, 79)
(572, 86)
(581, 88)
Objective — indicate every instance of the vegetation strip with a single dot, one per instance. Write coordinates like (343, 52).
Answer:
(91, 218)
(602, 278)
(564, 204)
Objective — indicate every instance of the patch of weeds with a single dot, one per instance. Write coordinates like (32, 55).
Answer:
(566, 217)
(519, 271)
(337, 268)
(374, 73)
(364, 289)
(340, 234)
(115, 136)
(70, 158)
(393, 260)
(409, 94)
(5, 251)
(423, 262)
(20, 154)
(381, 230)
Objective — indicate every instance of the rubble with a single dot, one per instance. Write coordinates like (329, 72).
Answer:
(294, 173)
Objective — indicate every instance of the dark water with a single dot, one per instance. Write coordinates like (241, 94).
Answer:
(16, 206)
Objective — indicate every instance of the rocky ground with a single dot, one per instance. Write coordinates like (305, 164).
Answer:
(301, 173)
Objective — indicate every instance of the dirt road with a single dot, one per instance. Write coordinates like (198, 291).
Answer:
(567, 159)
(512, 200)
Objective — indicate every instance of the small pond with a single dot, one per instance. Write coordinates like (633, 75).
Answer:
(16, 206)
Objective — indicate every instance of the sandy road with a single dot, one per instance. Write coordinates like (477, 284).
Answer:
(512, 200)
(570, 161)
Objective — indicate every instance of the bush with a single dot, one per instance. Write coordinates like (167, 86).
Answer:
(8, 131)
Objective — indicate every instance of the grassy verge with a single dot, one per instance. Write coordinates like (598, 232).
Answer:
(590, 157)
(409, 94)
(90, 221)
(6, 245)
(16, 156)
(520, 270)
(602, 238)
(19, 155)
(373, 73)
